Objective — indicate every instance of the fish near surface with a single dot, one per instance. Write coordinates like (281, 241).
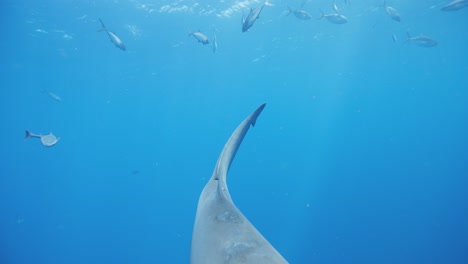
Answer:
(200, 37)
(455, 5)
(392, 12)
(113, 37)
(215, 43)
(252, 16)
(421, 41)
(221, 233)
(335, 18)
(299, 13)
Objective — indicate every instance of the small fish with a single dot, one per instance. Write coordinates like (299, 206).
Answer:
(421, 41)
(53, 95)
(200, 37)
(392, 12)
(335, 7)
(47, 140)
(113, 37)
(19, 220)
(252, 16)
(41, 31)
(395, 40)
(215, 43)
(455, 5)
(299, 13)
(335, 18)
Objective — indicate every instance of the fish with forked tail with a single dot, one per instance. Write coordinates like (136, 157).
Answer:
(335, 18)
(421, 41)
(392, 12)
(299, 13)
(252, 16)
(455, 5)
(200, 37)
(113, 37)
(47, 140)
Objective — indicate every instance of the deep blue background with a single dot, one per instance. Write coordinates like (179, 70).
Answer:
(361, 155)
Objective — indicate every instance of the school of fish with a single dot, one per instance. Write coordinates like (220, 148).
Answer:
(247, 22)
(334, 17)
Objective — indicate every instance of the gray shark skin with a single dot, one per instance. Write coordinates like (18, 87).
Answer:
(221, 233)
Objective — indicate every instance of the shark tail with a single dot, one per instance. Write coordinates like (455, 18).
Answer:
(289, 11)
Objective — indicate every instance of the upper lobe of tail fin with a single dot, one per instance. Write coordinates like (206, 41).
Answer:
(103, 27)
(28, 134)
(321, 14)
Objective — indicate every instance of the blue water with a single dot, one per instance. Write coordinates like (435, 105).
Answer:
(360, 156)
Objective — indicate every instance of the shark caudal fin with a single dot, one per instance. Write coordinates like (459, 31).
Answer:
(221, 233)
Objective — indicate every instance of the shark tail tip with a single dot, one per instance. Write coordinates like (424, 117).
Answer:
(256, 114)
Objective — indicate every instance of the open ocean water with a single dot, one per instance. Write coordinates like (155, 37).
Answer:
(360, 156)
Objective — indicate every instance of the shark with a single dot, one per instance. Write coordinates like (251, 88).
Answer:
(221, 233)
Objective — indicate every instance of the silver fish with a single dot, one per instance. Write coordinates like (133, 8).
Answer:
(421, 41)
(252, 16)
(53, 95)
(47, 140)
(455, 5)
(299, 13)
(335, 7)
(334, 18)
(395, 40)
(215, 43)
(200, 37)
(392, 12)
(114, 39)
